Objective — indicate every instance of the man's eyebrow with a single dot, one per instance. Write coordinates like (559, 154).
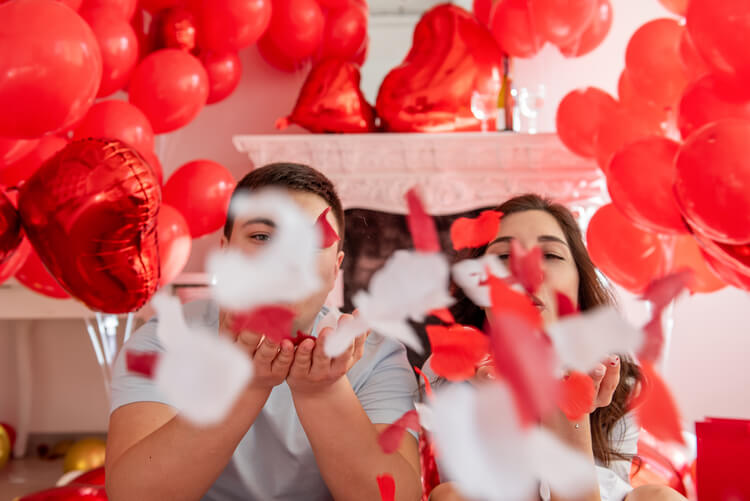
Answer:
(542, 238)
(267, 222)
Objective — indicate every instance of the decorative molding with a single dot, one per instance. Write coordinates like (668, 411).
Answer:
(454, 172)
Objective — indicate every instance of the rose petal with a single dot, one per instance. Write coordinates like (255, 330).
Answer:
(456, 350)
(142, 362)
(387, 487)
(421, 225)
(526, 266)
(475, 232)
(576, 395)
(328, 234)
(275, 322)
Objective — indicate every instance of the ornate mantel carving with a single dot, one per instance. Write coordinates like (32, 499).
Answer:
(454, 172)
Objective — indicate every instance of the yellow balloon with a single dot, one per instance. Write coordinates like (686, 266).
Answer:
(4, 447)
(84, 455)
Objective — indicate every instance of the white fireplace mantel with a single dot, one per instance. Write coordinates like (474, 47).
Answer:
(455, 172)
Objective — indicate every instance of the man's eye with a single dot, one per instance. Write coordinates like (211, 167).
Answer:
(260, 237)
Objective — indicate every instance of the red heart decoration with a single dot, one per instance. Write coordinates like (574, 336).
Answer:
(90, 213)
(476, 232)
(10, 229)
(452, 56)
(331, 101)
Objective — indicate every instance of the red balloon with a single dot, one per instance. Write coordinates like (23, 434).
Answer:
(50, 69)
(627, 255)
(719, 31)
(344, 34)
(35, 276)
(296, 28)
(17, 173)
(562, 21)
(580, 115)
(11, 231)
(170, 87)
(334, 4)
(118, 44)
(482, 10)
(656, 116)
(175, 243)
(593, 35)
(512, 26)
(693, 61)
(144, 27)
(331, 100)
(73, 4)
(452, 57)
(224, 72)
(176, 29)
(653, 61)
(708, 100)
(687, 254)
(230, 25)
(70, 492)
(713, 180)
(125, 8)
(617, 131)
(155, 6)
(117, 120)
(200, 190)
(12, 150)
(153, 161)
(730, 262)
(90, 213)
(640, 180)
(15, 262)
(676, 6)
(276, 58)
(92, 477)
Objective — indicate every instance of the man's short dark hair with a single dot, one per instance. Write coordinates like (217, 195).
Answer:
(290, 176)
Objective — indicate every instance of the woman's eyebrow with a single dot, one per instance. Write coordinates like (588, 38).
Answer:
(542, 238)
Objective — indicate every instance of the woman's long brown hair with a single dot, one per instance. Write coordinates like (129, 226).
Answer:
(591, 293)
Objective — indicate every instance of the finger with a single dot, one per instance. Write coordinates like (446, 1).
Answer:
(610, 381)
(283, 361)
(249, 341)
(597, 375)
(485, 373)
(359, 345)
(302, 358)
(341, 364)
(266, 352)
(321, 363)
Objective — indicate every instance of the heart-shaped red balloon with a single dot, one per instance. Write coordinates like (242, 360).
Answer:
(452, 57)
(10, 229)
(90, 213)
(331, 101)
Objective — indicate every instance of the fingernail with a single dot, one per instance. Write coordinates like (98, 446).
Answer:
(614, 360)
(599, 371)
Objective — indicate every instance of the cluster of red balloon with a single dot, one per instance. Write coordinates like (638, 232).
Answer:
(522, 27)
(173, 57)
(674, 148)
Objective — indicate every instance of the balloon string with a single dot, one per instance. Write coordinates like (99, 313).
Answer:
(128, 327)
(99, 357)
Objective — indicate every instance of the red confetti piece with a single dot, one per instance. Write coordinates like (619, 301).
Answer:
(427, 384)
(444, 315)
(456, 350)
(523, 356)
(387, 487)
(565, 306)
(390, 438)
(301, 336)
(576, 395)
(142, 362)
(660, 293)
(467, 233)
(526, 266)
(430, 472)
(655, 407)
(329, 235)
(421, 225)
(505, 299)
(275, 322)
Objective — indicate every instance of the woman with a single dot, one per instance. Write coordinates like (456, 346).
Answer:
(608, 435)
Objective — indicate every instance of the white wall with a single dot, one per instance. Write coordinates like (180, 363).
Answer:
(705, 361)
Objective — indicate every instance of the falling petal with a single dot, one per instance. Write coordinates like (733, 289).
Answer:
(456, 350)
(568, 472)
(576, 395)
(660, 293)
(427, 384)
(343, 336)
(526, 266)
(476, 232)
(421, 225)
(275, 322)
(472, 275)
(328, 234)
(565, 306)
(387, 487)
(390, 438)
(444, 315)
(583, 341)
(142, 362)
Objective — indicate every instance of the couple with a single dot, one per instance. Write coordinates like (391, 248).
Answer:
(307, 426)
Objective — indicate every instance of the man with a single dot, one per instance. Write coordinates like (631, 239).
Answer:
(305, 428)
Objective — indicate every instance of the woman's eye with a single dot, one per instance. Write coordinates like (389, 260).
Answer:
(549, 255)
(260, 237)
(503, 256)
